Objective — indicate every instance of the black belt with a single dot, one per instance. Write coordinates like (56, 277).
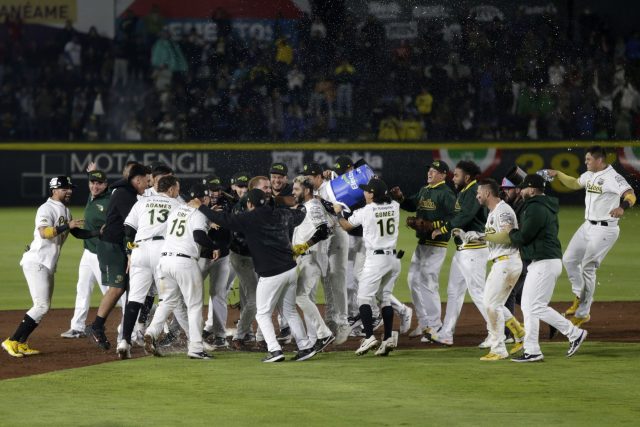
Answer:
(602, 223)
(384, 252)
(177, 254)
(151, 238)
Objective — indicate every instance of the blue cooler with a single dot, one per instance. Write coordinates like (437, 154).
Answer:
(344, 188)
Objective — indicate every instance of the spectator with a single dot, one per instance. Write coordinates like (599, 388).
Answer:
(167, 52)
(344, 76)
(556, 73)
(91, 131)
(131, 129)
(166, 129)
(162, 77)
(153, 24)
(284, 52)
(73, 53)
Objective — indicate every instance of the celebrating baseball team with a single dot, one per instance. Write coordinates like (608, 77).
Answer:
(145, 239)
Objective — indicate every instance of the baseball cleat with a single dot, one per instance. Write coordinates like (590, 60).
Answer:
(354, 321)
(274, 356)
(486, 343)
(150, 346)
(377, 322)
(322, 343)
(199, 355)
(98, 337)
(417, 332)
(25, 350)
(388, 345)
(124, 350)
(575, 344)
(490, 357)
(526, 357)
(516, 347)
(343, 334)
(73, 333)
(367, 344)
(137, 338)
(426, 337)
(11, 347)
(285, 336)
(357, 332)
(515, 327)
(574, 307)
(439, 339)
(305, 354)
(220, 343)
(405, 322)
(578, 321)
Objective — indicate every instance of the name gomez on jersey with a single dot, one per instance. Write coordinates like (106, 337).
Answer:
(379, 224)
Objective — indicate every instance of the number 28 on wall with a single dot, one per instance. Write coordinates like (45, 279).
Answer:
(569, 163)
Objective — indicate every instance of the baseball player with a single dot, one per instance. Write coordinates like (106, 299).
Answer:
(179, 273)
(505, 270)
(242, 264)
(433, 202)
(607, 196)
(145, 228)
(89, 268)
(215, 264)
(267, 231)
(510, 193)
(280, 186)
(313, 229)
(538, 240)
(469, 264)
(52, 226)
(111, 250)
(379, 220)
(334, 282)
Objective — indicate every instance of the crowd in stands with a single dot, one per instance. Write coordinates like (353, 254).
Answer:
(524, 79)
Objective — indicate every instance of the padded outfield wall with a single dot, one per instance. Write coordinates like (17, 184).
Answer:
(27, 167)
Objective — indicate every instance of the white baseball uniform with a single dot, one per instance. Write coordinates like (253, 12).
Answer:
(179, 273)
(247, 285)
(310, 269)
(380, 229)
(502, 277)
(355, 261)
(40, 261)
(149, 218)
(334, 282)
(596, 236)
(88, 275)
(219, 272)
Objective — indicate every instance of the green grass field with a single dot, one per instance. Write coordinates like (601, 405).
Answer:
(616, 277)
(411, 387)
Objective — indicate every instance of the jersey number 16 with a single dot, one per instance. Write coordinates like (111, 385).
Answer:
(390, 226)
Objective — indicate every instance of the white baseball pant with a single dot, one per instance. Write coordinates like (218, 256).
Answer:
(219, 287)
(142, 273)
(423, 278)
(468, 269)
(181, 276)
(88, 275)
(40, 282)
(536, 294)
(379, 275)
(335, 286)
(308, 276)
(354, 268)
(279, 291)
(587, 248)
(248, 282)
(501, 279)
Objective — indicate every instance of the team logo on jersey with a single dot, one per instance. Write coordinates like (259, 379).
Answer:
(600, 181)
(62, 220)
(457, 206)
(594, 188)
(119, 278)
(428, 205)
(100, 207)
(489, 230)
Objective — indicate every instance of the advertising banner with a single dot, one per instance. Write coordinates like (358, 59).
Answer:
(28, 170)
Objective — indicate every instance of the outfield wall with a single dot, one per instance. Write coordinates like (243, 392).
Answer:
(28, 166)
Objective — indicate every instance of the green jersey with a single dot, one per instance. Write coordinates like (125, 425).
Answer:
(95, 215)
(434, 203)
(469, 215)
